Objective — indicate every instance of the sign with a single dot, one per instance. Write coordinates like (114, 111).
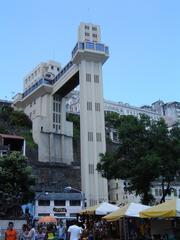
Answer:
(59, 210)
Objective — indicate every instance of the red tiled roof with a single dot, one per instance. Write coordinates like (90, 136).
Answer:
(11, 136)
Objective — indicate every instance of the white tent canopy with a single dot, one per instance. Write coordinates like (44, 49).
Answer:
(101, 209)
(105, 208)
(129, 210)
(134, 209)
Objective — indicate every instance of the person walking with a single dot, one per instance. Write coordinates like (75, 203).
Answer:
(61, 232)
(11, 233)
(74, 232)
(31, 234)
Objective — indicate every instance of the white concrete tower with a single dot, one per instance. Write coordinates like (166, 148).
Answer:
(89, 54)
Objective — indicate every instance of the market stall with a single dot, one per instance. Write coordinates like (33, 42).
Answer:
(127, 216)
(165, 219)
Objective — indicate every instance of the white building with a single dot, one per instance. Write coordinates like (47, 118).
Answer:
(44, 100)
(59, 205)
(73, 106)
(118, 193)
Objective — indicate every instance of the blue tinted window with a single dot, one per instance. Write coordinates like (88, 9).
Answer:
(107, 50)
(100, 47)
(81, 45)
(90, 45)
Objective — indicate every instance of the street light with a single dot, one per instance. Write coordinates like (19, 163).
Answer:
(69, 188)
(42, 193)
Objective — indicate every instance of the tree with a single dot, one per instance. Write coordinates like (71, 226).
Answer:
(16, 185)
(147, 151)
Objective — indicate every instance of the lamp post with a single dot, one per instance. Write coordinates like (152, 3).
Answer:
(37, 198)
(69, 188)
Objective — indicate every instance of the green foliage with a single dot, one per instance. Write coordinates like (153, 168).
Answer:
(16, 122)
(18, 118)
(16, 185)
(28, 137)
(76, 124)
(147, 151)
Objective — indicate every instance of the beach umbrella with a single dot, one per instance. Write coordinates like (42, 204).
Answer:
(170, 208)
(129, 210)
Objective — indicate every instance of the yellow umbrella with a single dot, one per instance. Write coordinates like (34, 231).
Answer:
(170, 208)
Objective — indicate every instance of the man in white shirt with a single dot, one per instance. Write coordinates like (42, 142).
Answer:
(74, 232)
(32, 233)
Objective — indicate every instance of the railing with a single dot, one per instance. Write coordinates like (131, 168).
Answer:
(62, 72)
(91, 46)
(80, 45)
(47, 81)
(36, 85)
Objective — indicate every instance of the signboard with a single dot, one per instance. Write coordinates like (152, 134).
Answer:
(60, 210)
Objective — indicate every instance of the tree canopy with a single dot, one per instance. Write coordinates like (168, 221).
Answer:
(147, 151)
(16, 185)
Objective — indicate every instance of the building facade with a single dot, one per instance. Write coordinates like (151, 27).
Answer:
(59, 205)
(44, 100)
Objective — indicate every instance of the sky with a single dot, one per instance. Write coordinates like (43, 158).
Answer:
(143, 37)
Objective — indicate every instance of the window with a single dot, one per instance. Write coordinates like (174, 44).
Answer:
(57, 69)
(117, 185)
(89, 106)
(73, 215)
(59, 202)
(94, 28)
(91, 168)
(75, 203)
(98, 137)
(88, 77)
(43, 214)
(44, 203)
(52, 67)
(90, 45)
(96, 78)
(97, 107)
(90, 136)
(59, 214)
(175, 192)
(35, 101)
(156, 192)
(87, 34)
(94, 35)
(160, 192)
(116, 196)
(86, 27)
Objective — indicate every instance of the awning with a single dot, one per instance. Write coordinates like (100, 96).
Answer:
(129, 210)
(170, 208)
(100, 209)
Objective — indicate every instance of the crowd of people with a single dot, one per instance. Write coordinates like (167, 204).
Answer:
(46, 232)
(90, 229)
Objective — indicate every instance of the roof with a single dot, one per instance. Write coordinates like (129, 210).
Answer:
(11, 136)
(59, 196)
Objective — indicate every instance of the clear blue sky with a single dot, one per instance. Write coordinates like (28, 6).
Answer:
(143, 37)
